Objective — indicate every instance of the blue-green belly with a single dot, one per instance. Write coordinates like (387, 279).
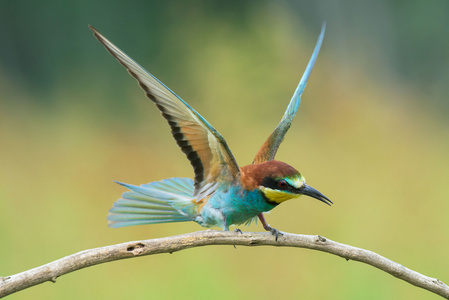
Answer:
(233, 206)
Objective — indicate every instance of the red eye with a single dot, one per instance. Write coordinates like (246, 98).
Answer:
(282, 184)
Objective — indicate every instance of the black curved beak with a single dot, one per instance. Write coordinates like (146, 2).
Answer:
(311, 192)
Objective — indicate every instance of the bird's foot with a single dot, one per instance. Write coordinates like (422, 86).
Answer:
(237, 230)
(267, 227)
(273, 231)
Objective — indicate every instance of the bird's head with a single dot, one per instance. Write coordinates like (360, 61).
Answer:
(278, 182)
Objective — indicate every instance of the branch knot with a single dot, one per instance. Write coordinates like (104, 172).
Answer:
(136, 249)
(320, 239)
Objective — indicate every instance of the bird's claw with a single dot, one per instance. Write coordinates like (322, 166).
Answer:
(237, 230)
(275, 232)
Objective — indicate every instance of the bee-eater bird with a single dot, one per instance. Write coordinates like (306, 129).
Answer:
(222, 193)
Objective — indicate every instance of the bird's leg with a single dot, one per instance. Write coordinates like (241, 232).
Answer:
(267, 227)
(225, 223)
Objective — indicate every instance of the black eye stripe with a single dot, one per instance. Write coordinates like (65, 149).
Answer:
(269, 183)
(276, 184)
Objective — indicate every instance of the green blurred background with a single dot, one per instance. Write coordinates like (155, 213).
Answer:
(371, 134)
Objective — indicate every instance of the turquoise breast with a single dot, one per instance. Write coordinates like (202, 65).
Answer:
(234, 205)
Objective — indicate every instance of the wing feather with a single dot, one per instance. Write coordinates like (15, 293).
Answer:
(205, 148)
(269, 148)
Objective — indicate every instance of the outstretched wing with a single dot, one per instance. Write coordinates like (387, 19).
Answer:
(269, 148)
(205, 148)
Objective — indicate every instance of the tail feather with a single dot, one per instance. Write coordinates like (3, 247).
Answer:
(141, 203)
(156, 202)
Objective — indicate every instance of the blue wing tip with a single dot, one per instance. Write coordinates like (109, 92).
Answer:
(294, 103)
(127, 185)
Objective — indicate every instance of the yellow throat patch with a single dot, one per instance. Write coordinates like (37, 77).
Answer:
(277, 196)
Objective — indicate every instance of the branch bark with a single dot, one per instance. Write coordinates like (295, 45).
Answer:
(87, 258)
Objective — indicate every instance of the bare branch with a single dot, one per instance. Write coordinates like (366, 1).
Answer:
(87, 258)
